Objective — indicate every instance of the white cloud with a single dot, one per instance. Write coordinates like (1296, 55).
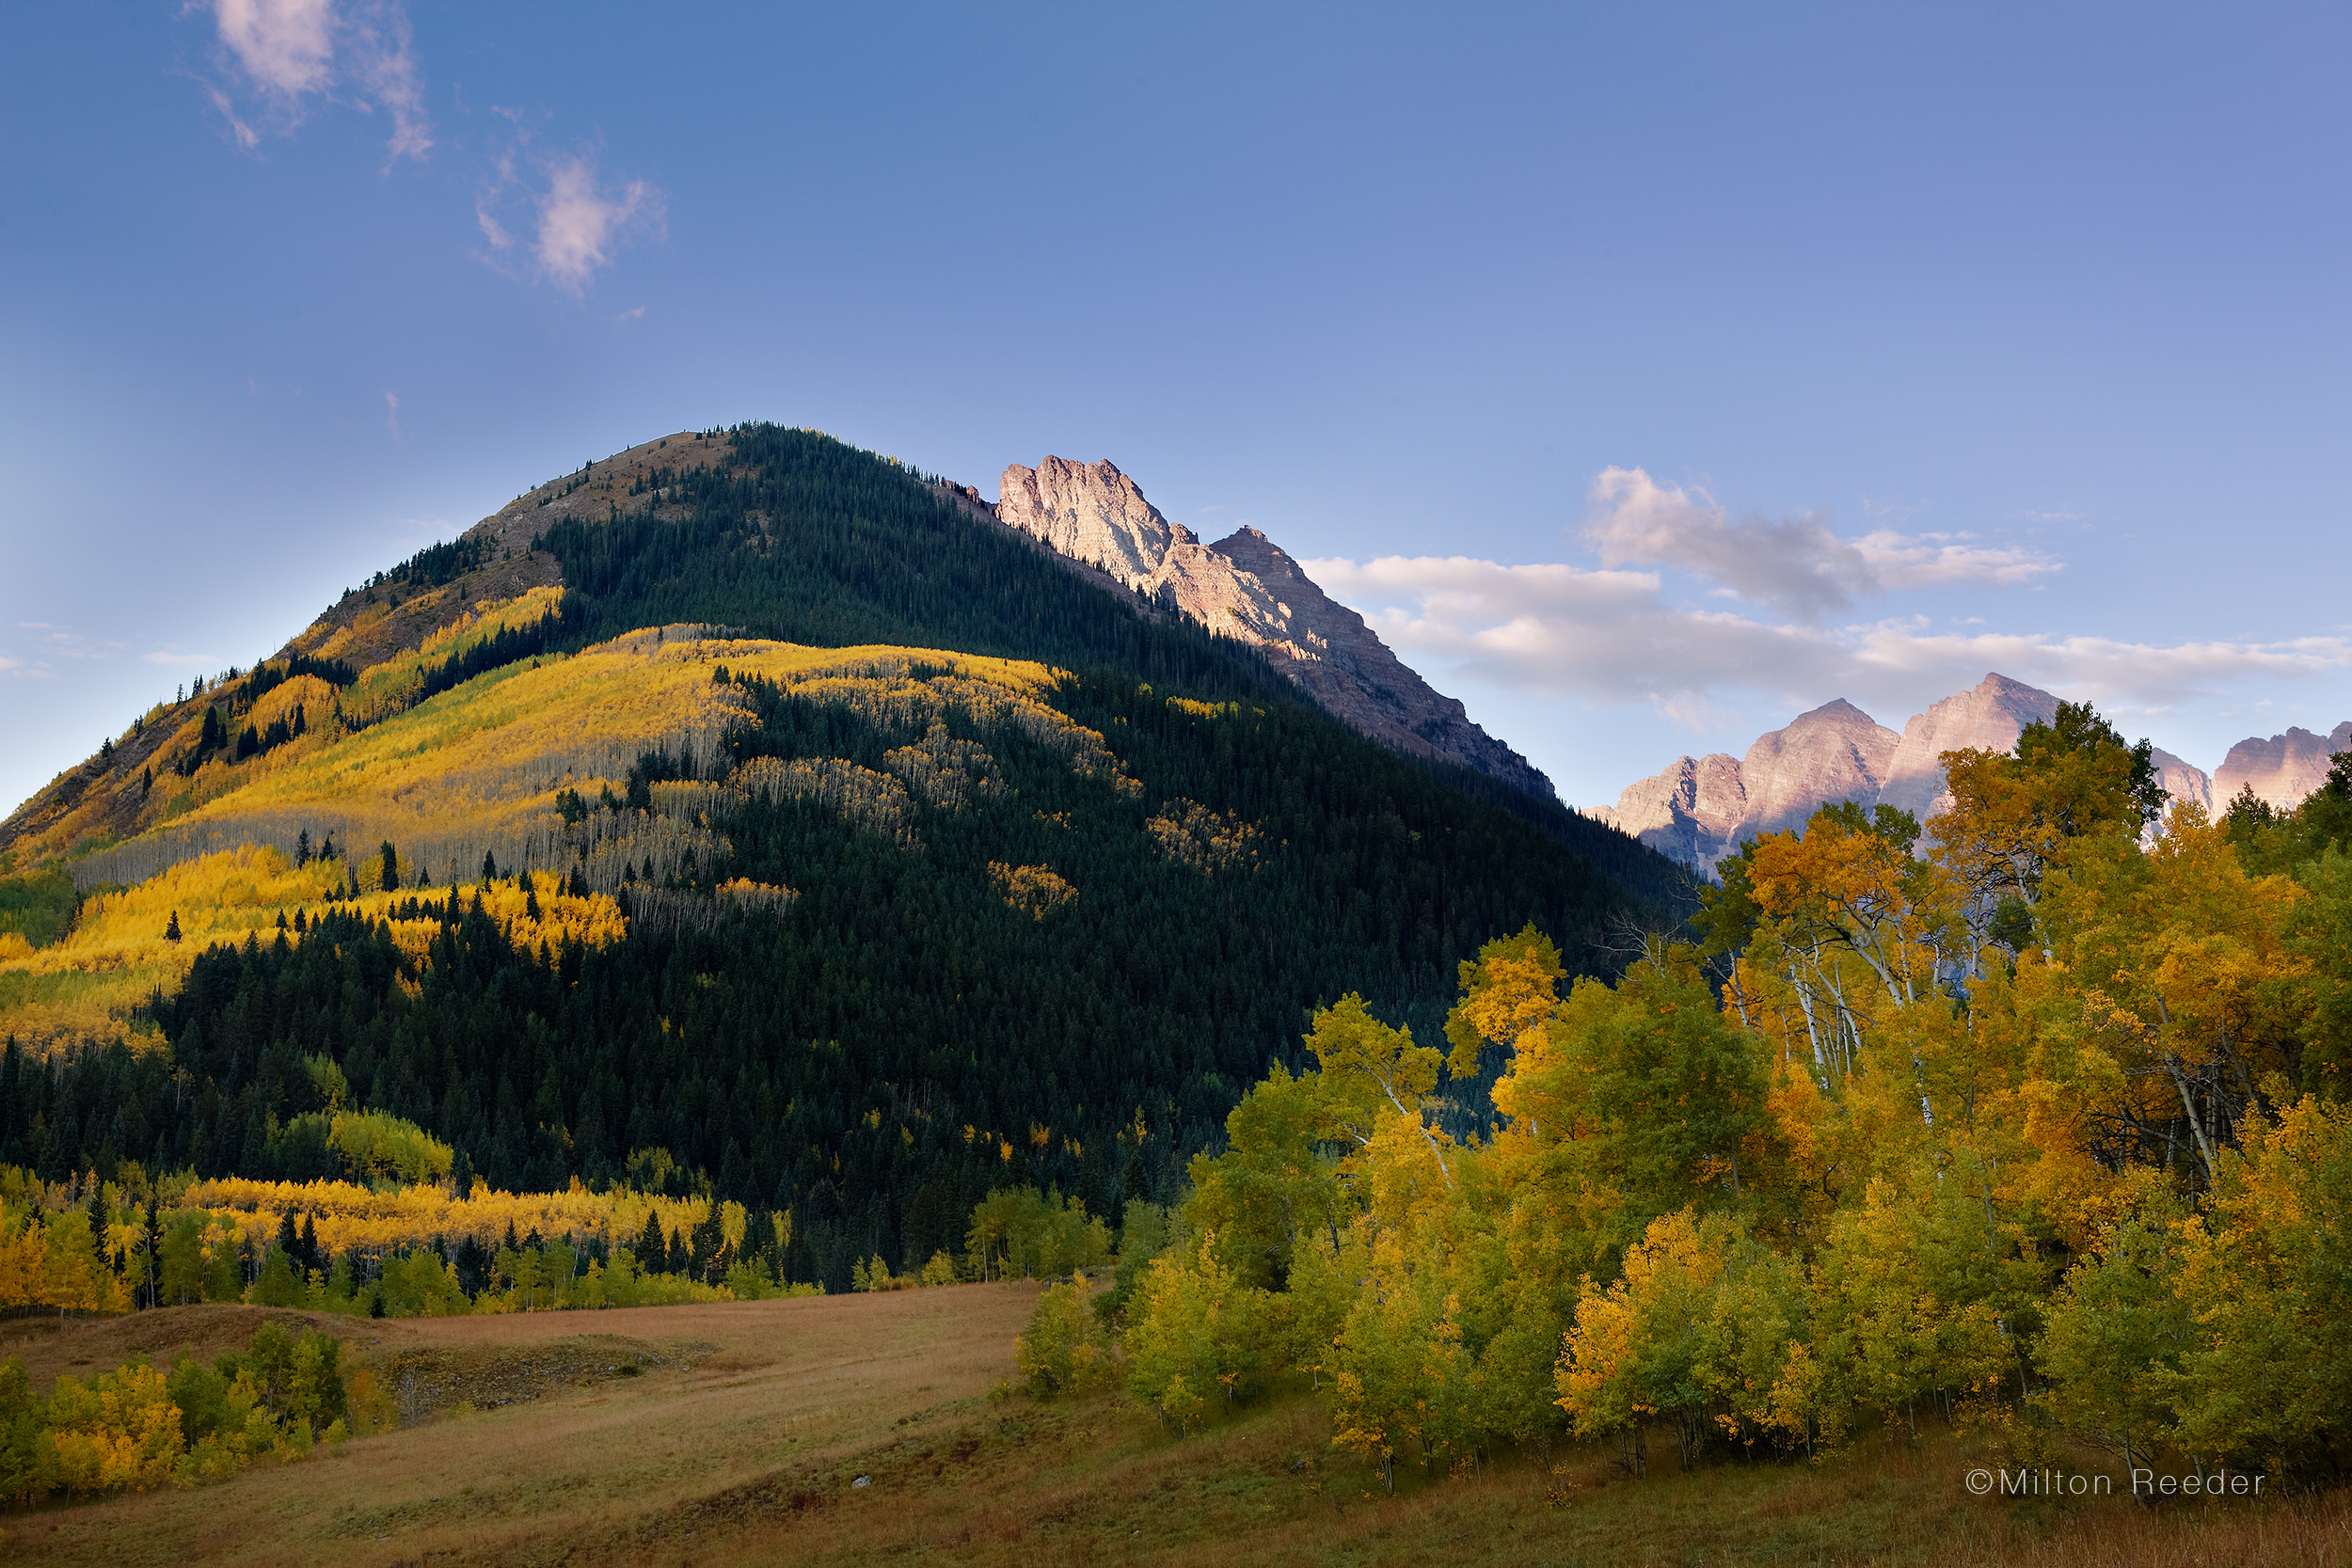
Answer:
(284, 54)
(1603, 635)
(1796, 564)
(392, 414)
(286, 46)
(176, 659)
(579, 220)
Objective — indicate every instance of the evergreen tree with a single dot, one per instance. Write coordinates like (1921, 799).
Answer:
(652, 1251)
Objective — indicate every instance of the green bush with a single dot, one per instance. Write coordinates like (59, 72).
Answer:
(1065, 1349)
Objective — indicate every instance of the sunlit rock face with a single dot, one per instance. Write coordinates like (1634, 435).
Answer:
(1690, 812)
(1989, 717)
(1700, 809)
(1246, 588)
(1834, 752)
(2282, 769)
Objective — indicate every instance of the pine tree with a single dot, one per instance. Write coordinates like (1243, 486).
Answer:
(171, 932)
(651, 1249)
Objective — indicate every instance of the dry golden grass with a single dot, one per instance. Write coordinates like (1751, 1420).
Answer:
(740, 1435)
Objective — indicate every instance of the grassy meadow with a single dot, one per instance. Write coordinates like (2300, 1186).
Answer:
(735, 1432)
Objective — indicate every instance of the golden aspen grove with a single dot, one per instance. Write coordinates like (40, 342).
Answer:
(612, 911)
(2037, 1134)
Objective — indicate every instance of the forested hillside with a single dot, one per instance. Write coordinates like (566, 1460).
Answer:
(800, 537)
(2039, 1132)
(853, 936)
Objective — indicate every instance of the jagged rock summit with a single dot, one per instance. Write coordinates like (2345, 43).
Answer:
(2282, 769)
(1700, 809)
(1244, 587)
(1990, 716)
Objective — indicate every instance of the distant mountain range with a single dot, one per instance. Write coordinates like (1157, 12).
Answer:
(1699, 809)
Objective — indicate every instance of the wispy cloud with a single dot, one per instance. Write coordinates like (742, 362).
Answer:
(1566, 631)
(392, 414)
(175, 659)
(41, 647)
(576, 220)
(279, 58)
(1793, 564)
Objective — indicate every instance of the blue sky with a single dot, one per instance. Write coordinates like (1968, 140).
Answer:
(1648, 374)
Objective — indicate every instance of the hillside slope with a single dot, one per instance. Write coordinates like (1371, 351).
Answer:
(937, 868)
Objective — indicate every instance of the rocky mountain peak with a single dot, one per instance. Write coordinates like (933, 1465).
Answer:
(1989, 716)
(2282, 769)
(1089, 512)
(1246, 587)
(1834, 752)
(1699, 810)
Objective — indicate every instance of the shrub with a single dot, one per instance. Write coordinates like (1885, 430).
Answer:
(1065, 1349)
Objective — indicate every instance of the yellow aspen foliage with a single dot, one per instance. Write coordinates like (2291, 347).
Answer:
(121, 1433)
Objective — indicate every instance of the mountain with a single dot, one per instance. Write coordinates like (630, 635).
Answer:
(1989, 716)
(2183, 781)
(758, 811)
(1834, 752)
(2282, 769)
(1246, 588)
(1700, 809)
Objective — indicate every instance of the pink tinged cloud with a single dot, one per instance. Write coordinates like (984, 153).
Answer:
(1795, 563)
(579, 222)
(290, 52)
(1602, 636)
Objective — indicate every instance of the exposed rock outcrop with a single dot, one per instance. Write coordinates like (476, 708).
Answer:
(1989, 716)
(2282, 769)
(1246, 588)
(1700, 809)
(1689, 813)
(1834, 752)
(2182, 780)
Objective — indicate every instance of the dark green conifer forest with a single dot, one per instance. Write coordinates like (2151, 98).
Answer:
(900, 1040)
